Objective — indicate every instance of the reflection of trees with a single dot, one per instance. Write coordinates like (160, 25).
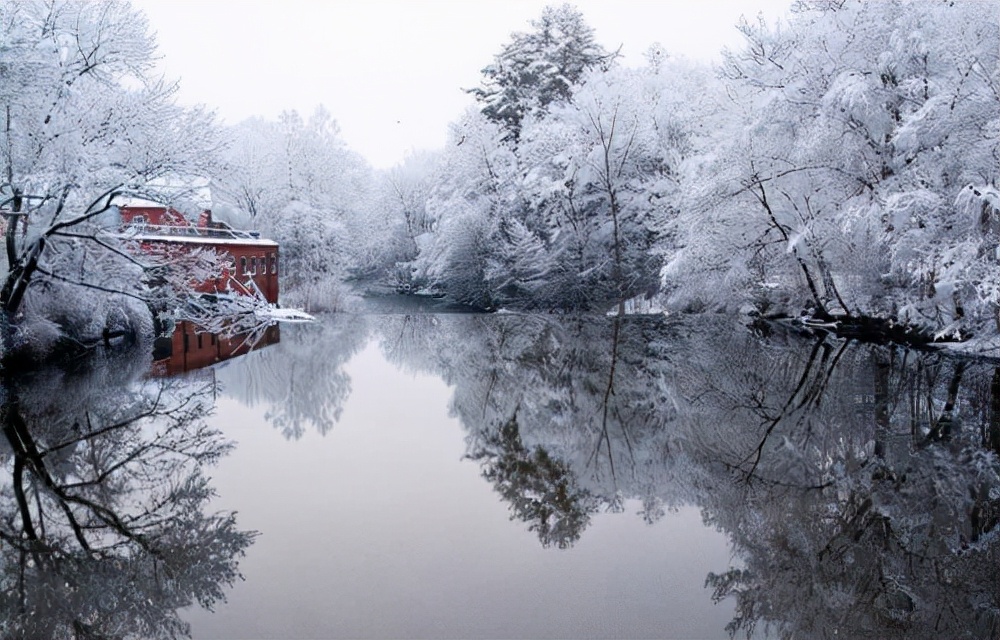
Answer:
(553, 406)
(102, 514)
(860, 485)
(301, 380)
(863, 504)
(539, 489)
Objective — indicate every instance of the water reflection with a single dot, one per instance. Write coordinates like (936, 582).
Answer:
(300, 383)
(189, 348)
(859, 484)
(567, 416)
(104, 523)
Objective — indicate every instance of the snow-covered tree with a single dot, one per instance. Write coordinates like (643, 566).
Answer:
(396, 220)
(248, 176)
(313, 247)
(83, 117)
(473, 190)
(305, 189)
(604, 175)
(563, 192)
(858, 128)
(539, 68)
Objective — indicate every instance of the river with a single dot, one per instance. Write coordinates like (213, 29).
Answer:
(416, 473)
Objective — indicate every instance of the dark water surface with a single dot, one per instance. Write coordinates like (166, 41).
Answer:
(455, 475)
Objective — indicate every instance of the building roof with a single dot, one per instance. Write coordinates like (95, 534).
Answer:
(225, 238)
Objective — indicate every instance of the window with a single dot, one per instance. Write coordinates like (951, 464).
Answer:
(253, 265)
(243, 265)
(274, 263)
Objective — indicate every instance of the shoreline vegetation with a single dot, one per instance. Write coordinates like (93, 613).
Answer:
(840, 167)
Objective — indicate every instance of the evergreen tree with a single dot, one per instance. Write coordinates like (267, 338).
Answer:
(539, 67)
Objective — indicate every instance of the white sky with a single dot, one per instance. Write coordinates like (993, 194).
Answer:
(391, 72)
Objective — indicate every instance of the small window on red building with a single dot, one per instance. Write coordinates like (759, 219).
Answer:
(274, 263)
(243, 265)
(253, 265)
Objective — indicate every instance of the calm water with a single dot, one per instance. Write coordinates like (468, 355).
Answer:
(447, 475)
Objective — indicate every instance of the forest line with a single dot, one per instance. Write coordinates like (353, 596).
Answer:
(841, 164)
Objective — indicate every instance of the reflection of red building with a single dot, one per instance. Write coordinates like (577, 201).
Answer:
(253, 261)
(189, 349)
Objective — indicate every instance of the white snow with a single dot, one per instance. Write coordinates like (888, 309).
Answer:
(288, 315)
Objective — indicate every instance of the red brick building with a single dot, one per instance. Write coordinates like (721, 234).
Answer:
(252, 267)
(253, 261)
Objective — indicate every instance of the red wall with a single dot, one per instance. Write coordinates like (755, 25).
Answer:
(267, 266)
(261, 262)
(153, 215)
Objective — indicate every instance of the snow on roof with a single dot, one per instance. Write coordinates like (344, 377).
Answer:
(132, 201)
(189, 197)
(205, 240)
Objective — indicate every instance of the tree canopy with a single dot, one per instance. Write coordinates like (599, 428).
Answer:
(539, 67)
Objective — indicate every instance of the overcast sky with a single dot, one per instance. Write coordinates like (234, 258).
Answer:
(392, 72)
